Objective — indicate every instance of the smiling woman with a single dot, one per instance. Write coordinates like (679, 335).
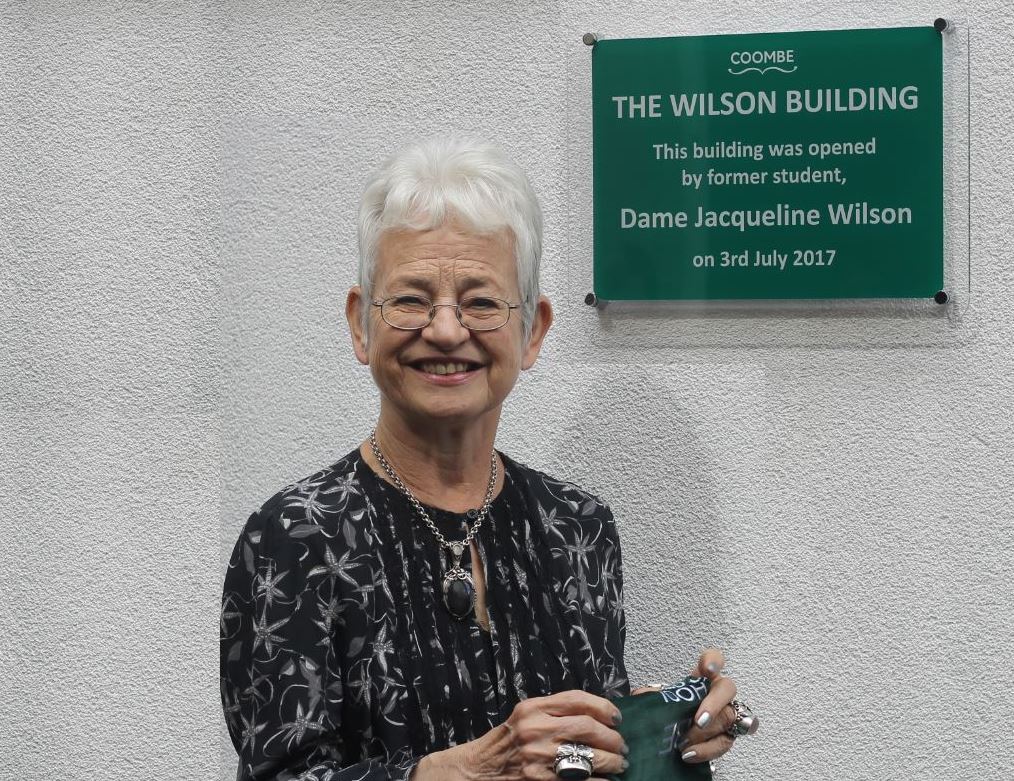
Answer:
(426, 606)
(416, 368)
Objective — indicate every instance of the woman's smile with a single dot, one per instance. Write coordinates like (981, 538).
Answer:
(451, 370)
(447, 374)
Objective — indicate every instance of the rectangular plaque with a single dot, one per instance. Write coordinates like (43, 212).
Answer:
(771, 165)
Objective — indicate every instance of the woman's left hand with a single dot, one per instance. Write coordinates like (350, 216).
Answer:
(709, 738)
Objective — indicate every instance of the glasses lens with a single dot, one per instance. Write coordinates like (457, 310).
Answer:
(406, 311)
(484, 314)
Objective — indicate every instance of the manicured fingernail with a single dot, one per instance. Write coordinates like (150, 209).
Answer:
(625, 749)
(703, 719)
(617, 717)
(624, 765)
(712, 667)
(689, 755)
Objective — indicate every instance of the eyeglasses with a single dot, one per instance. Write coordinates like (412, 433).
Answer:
(411, 313)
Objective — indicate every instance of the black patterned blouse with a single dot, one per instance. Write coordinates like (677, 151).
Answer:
(340, 660)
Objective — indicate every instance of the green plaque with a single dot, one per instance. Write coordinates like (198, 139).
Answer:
(773, 165)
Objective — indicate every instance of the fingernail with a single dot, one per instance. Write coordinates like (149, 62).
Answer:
(712, 667)
(625, 749)
(689, 755)
(703, 719)
(617, 717)
(624, 765)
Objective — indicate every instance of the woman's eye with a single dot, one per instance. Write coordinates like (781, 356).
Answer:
(481, 303)
(410, 301)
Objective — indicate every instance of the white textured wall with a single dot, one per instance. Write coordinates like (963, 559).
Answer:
(110, 390)
(826, 497)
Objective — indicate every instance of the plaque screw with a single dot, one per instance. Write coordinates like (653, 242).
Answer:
(941, 25)
(589, 39)
(591, 299)
(941, 297)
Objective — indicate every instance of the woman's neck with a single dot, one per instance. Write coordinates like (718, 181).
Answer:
(444, 466)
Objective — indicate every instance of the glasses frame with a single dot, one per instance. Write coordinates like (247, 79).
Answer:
(433, 313)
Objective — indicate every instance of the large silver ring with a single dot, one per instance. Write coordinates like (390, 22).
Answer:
(746, 722)
(574, 760)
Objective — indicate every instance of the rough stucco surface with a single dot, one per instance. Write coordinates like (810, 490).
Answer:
(824, 496)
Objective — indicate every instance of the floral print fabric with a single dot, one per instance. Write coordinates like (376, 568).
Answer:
(339, 660)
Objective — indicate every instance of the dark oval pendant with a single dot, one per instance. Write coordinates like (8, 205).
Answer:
(459, 596)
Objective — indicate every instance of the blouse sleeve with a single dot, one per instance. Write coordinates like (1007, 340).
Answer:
(280, 661)
(614, 674)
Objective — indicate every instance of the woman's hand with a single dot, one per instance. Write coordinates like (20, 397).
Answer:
(709, 738)
(523, 748)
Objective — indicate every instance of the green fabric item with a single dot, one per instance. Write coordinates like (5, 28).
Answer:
(653, 723)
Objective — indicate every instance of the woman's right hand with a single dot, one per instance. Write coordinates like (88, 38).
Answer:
(523, 748)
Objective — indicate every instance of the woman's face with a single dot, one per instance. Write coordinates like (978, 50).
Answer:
(445, 265)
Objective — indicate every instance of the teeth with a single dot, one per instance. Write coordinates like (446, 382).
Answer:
(444, 368)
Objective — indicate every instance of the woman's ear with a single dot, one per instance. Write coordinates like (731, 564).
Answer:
(354, 315)
(540, 325)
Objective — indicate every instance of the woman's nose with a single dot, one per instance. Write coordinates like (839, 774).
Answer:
(445, 328)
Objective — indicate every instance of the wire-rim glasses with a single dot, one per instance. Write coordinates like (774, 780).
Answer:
(413, 313)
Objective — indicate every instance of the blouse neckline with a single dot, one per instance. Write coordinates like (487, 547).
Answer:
(366, 471)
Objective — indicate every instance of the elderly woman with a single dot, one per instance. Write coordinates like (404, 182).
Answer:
(426, 607)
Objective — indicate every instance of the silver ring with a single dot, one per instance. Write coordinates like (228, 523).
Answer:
(746, 722)
(574, 760)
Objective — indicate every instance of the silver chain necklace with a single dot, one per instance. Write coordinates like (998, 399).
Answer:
(458, 586)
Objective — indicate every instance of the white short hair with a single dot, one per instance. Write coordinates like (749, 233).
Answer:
(460, 178)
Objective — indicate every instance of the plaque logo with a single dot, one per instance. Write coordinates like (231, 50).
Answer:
(763, 61)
